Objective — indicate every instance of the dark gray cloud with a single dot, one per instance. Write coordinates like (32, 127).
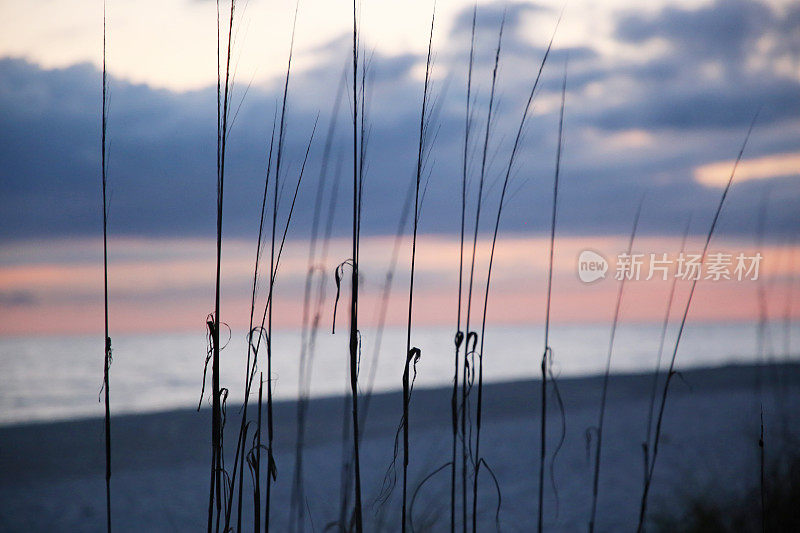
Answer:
(726, 28)
(520, 47)
(717, 71)
(488, 17)
(162, 143)
(17, 298)
(715, 106)
(159, 148)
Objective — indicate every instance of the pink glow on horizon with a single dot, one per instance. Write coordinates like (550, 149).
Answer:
(167, 285)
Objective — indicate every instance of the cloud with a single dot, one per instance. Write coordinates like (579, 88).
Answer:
(709, 107)
(488, 17)
(11, 299)
(725, 28)
(766, 167)
(631, 126)
(50, 146)
(722, 62)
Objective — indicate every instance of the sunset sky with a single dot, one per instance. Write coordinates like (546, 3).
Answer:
(660, 95)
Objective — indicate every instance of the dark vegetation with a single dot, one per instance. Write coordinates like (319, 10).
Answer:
(777, 492)
(768, 506)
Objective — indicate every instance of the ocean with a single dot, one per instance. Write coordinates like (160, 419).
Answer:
(59, 377)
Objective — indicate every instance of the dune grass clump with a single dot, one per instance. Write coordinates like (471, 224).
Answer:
(216, 489)
(768, 507)
(225, 491)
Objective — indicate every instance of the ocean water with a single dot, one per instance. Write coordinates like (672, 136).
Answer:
(52, 378)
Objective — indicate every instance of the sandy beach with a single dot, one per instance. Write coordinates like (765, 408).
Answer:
(52, 473)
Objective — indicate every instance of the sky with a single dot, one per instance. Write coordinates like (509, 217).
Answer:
(659, 99)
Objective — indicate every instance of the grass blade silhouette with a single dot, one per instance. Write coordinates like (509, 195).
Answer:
(459, 335)
(216, 489)
(476, 459)
(607, 374)
(296, 507)
(251, 366)
(547, 351)
(671, 370)
(257, 480)
(467, 369)
(384, 305)
(508, 169)
(107, 339)
(423, 123)
(353, 342)
(661, 343)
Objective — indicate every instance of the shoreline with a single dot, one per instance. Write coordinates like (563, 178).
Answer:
(733, 369)
(50, 470)
(501, 401)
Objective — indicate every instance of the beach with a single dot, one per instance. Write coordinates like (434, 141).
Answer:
(53, 473)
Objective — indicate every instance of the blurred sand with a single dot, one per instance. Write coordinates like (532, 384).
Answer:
(51, 474)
